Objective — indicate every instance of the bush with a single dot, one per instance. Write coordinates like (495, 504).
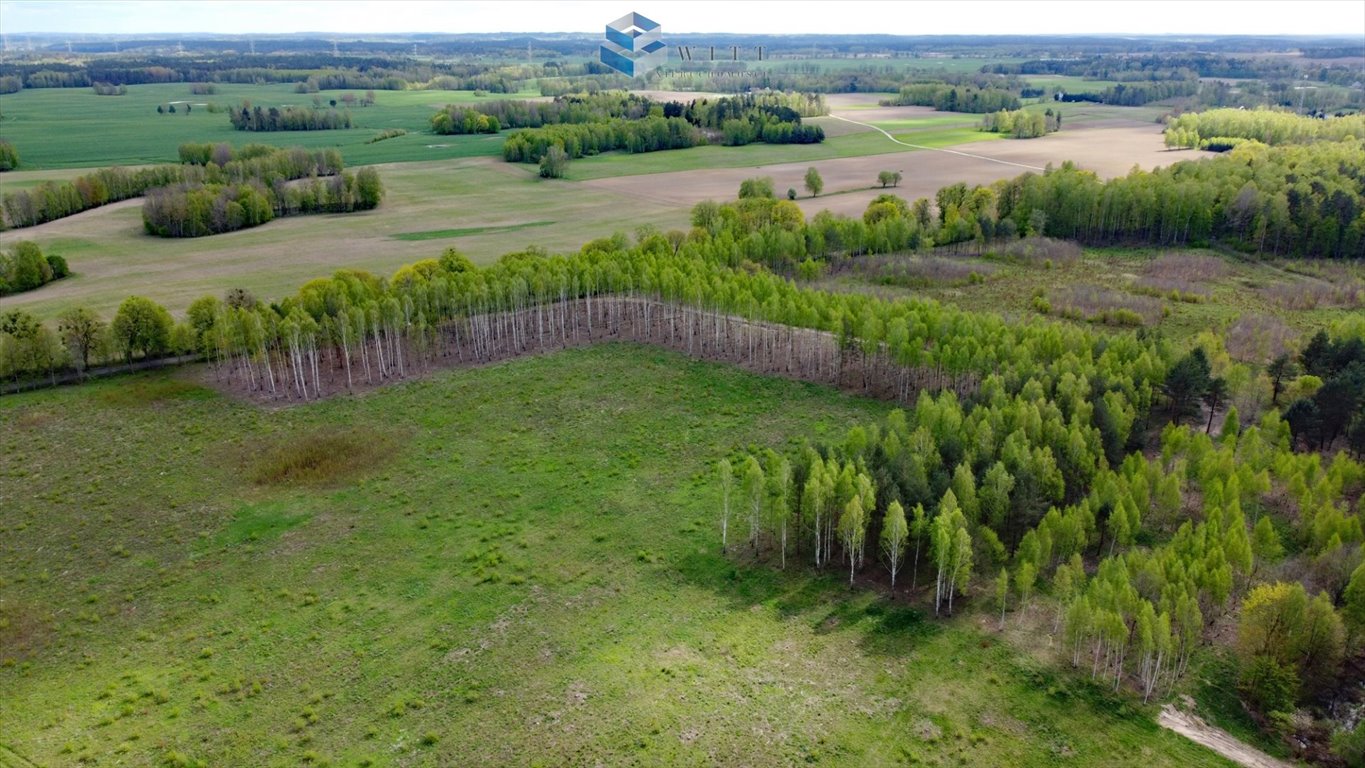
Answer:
(26, 268)
(555, 163)
(9, 156)
(1268, 686)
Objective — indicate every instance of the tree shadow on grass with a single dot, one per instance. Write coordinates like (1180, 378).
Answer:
(825, 600)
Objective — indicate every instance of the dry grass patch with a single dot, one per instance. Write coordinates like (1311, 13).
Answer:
(1040, 250)
(323, 457)
(1100, 305)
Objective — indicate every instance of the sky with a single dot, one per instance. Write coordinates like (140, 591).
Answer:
(901, 17)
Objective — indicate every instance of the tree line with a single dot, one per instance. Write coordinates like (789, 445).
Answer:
(953, 98)
(771, 117)
(1268, 126)
(50, 200)
(649, 134)
(249, 118)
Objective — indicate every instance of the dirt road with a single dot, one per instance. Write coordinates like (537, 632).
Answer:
(1218, 740)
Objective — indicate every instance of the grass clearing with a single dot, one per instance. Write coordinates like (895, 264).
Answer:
(534, 578)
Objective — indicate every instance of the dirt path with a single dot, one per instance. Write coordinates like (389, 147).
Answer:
(1218, 740)
(936, 149)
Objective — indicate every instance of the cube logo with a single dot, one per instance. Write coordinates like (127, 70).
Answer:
(633, 47)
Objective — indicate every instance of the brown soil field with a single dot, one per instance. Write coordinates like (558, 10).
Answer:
(1109, 148)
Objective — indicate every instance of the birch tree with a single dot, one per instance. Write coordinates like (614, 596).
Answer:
(727, 483)
(894, 535)
(852, 531)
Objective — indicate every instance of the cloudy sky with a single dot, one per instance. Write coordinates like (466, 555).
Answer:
(904, 17)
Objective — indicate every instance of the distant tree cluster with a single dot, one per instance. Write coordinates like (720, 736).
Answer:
(772, 118)
(1022, 124)
(650, 134)
(954, 98)
(109, 89)
(25, 268)
(249, 118)
(11, 84)
(493, 116)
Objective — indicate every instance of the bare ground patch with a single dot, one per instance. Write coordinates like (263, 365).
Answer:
(1220, 741)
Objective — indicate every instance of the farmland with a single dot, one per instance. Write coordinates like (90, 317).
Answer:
(453, 191)
(74, 128)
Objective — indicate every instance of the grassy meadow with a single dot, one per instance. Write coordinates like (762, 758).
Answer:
(509, 565)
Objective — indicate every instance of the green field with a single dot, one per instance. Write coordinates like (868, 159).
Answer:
(74, 128)
(516, 565)
(1068, 83)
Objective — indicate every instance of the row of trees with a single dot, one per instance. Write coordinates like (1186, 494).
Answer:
(26, 267)
(82, 337)
(195, 210)
(1021, 124)
(249, 118)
